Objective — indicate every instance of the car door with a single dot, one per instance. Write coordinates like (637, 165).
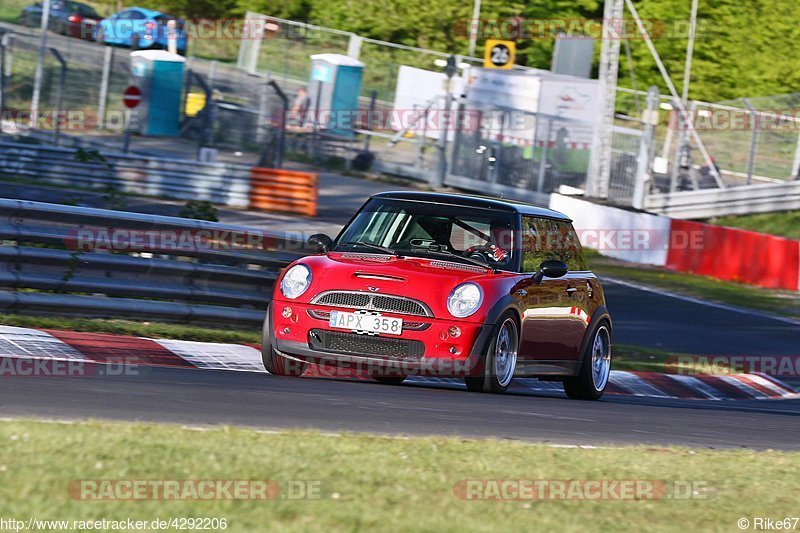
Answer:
(552, 312)
(117, 28)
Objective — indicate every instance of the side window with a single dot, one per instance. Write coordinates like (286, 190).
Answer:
(569, 247)
(534, 243)
(544, 239)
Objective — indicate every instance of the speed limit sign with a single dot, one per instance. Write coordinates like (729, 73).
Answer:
(499, 54)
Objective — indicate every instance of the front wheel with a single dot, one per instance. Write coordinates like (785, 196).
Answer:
(500, 360)
(591, 383)
(275, 363)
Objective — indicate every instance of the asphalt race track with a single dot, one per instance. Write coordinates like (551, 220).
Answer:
(197, 397)
(209, 397)
(641, 317)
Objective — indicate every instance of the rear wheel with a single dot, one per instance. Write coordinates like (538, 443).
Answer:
(274, 363)
(500, 360)
(591, 383)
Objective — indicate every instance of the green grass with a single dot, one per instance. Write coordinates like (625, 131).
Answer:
(11, 9)
(371, 483)
(159, 330)
(784, 303)
(783, 223)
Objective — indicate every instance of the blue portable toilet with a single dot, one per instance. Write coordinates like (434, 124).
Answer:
(159, 75)
(337, 80)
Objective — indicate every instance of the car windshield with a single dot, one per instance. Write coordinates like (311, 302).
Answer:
(465, 234)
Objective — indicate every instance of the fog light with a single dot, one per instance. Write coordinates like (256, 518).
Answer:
(454, 331)
(453, 349)
(287, 312)
(285, 331)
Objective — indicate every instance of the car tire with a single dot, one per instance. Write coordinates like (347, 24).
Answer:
(591, 382)
(500, 359)
(275, 363)
(389, 380)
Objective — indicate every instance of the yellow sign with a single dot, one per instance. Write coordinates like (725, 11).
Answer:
(499, 54)
(195, 102)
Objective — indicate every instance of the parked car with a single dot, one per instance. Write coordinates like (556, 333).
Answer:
(445, 285)
(140, 28)
(66, 17)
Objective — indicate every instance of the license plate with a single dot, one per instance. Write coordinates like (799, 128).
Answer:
(366, 323)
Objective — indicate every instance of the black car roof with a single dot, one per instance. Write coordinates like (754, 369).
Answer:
(469, 200)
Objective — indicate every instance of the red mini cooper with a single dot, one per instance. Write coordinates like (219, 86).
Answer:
(445, 285)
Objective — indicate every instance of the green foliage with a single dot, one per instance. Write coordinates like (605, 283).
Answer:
(742, 48)
(199, 210)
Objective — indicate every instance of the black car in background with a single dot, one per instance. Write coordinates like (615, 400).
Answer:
(66, 17)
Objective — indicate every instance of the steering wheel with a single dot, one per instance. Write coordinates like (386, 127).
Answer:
(489, 252)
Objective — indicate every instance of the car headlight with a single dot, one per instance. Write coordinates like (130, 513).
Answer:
(464, 300)
(296, 281)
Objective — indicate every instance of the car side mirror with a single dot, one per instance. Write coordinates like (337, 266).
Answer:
(552, 268)
(320, 242)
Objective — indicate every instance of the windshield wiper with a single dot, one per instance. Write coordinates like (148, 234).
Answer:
(450, 255)
(377, 247)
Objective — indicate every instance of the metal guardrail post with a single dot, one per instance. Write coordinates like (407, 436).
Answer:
(62, 81)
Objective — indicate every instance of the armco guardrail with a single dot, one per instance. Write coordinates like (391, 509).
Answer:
(220, 183)
(60, 259)
(706, 203)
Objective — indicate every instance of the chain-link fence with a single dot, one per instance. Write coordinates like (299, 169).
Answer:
(523, 151)
(751, 140)
(93, 73)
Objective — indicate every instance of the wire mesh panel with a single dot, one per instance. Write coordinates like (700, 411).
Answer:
(83, 87)
(286, 50)
(522, 151)
(625, 145)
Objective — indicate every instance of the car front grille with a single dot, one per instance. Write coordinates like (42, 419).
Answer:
(373, 302)
(367, 345)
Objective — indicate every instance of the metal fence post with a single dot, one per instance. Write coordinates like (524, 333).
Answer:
(9, 57)
(796, 162)
(751, 156)
(676, 158)
(646, 149)
(439, 177)
(3, 46)
(38, 71)
(263, 108)
(62, 80)
(101, 105)
(543, 160)
(212, 73)
(421, 142)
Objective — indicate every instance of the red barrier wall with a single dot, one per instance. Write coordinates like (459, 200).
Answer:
(734, 254)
